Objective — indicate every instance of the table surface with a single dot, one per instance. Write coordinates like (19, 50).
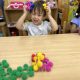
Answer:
(62, 49)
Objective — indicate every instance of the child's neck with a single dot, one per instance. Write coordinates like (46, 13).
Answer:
(38, 24)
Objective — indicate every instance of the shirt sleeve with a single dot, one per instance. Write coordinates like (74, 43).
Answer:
(25, 26)
(48, 25)
(74, 21)
(79, 21)
(79, 24)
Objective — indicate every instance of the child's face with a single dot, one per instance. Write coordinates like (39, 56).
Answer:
(36, 17)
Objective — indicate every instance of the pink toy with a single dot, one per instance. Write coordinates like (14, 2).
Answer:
(47, 65)
(16, 5)
(29, 5)
(51, 3)
(19, 5)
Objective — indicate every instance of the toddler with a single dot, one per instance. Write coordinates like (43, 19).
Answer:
(37, 26)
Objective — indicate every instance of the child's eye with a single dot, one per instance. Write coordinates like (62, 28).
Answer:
(39, 15)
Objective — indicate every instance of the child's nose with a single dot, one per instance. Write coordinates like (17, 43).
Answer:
(36, 16)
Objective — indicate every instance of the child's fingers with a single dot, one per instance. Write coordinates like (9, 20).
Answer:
(24, 7)
(47, 8)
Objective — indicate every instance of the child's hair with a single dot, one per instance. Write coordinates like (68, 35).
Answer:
(38, 5)
(78, 12)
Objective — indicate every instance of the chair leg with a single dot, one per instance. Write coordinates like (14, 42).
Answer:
(4, 30)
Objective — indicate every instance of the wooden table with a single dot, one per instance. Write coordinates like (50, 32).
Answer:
(62, 49)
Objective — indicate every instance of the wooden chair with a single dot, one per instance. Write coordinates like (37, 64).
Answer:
(66, 28)
(3, 28)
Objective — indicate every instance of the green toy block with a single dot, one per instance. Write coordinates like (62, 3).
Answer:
(18, 74)
(25, 67)
(31, 73)
(9, 70)
(30, 68)
(24, 76)
(19, 68)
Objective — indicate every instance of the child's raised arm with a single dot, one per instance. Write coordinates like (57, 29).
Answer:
(53, 23)
(20, 22)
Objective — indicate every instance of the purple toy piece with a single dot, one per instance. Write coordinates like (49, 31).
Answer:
(29, 5)
(43, 68)
(45, 60)
(48, 68)
(47, 65)
(50, 64)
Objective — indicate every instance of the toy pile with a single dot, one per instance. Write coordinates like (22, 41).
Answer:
(30, 4)
(7, 73)
(41, 63)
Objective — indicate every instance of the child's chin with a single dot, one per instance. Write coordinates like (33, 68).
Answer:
(35, 23)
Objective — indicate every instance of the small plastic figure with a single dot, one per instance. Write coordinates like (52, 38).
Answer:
(29, 5)
(16, 5)
(19, 5)
(51, 3)
(47, 65)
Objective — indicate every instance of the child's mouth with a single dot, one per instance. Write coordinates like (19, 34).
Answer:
(35, 21)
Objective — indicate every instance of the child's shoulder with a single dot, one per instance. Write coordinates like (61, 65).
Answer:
(46, 22)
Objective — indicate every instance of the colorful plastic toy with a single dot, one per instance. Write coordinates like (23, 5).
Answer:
(25, 67)
(44, 5)
(9, 70)
(19, 68)
(16, 5)
(41, 63)
(29, 5)
(24, 76)
(5, 64)
(37, 60)
(19, 5)
(6, 72)
(47, 65)
(51, 3)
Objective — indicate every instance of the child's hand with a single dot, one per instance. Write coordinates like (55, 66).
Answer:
(24, 9)
(48, 10)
